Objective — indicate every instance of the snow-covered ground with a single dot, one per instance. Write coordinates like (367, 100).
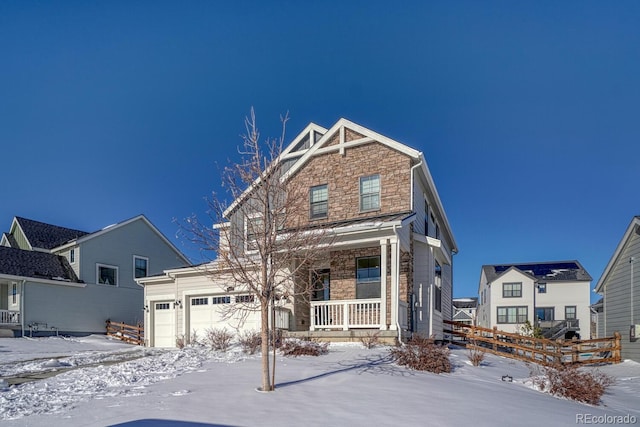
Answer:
(105, 382)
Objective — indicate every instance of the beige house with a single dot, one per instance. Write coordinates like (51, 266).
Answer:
(390, 264)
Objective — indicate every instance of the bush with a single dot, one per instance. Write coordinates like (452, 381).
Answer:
(370, 339)
(250, 341)
(219, 339)
(423, 354)
(180, 341)
(572, 383)
(293, 347)
(476, 356)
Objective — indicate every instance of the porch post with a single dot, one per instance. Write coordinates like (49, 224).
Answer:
(383, 284)
(394, 291)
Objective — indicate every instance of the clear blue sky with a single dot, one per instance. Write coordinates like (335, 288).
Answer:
(527, 112)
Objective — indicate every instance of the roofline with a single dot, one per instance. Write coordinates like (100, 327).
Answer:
(119, 225)
(16, 223)
(310, 127)
(45, 281)
(635, 221)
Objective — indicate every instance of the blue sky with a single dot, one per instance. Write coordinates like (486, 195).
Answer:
(527, 112)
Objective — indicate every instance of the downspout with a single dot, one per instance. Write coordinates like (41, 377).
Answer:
(631, 260)
(430, 310)
(412, 189)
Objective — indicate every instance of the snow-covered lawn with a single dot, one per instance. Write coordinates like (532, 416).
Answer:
(105, 382)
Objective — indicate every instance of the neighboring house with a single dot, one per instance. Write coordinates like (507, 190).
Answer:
(620, 287)
(57, 279)
(552, 295)
(389, 267)
(464, 310)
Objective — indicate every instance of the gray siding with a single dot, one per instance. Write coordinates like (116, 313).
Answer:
(117, 248)
(75, 310)
(617, 294)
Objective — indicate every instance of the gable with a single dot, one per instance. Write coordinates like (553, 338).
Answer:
(629, 239)
(30, 234)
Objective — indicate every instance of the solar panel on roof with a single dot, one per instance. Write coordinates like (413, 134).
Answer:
(544, 269)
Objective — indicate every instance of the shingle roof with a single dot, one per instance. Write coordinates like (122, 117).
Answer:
(18, 262)
(554, 271)
(11, 239)
(47, 236)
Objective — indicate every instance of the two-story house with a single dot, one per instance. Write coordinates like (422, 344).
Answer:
(554, 296)
(464, 310)
(59, 280)
(389, 267)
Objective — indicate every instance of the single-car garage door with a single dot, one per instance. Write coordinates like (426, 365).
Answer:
(164, 324)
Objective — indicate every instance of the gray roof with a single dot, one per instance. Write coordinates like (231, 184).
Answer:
(552, 271)
(35, 264)
(466, 302)
(47, 236)
(11, 239)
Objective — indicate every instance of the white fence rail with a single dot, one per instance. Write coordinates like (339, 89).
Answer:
(9, 317)
(345, 314)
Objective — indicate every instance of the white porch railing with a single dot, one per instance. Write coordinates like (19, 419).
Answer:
(9, 317)
(345, 314)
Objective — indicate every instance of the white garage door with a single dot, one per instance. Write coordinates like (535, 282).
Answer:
(164, 324)
(210, 312)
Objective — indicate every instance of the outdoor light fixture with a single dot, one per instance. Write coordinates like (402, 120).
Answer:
(177, 304)
(145, 308)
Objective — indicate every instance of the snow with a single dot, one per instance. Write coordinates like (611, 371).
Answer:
(98, 381)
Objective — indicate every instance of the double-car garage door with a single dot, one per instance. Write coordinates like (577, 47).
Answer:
(201, 313)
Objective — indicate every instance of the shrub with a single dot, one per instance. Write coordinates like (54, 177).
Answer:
(180, 341)
(293, 347)
(572, 383)
(476, 356)
(250, 341)
(370, 339)
(423, 354)
(219, 339)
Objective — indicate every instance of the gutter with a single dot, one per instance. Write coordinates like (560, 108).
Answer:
(412, 189)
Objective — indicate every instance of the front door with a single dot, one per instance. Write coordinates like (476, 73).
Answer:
(321, 285)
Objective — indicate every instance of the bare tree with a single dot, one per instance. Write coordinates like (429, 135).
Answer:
(261, 239)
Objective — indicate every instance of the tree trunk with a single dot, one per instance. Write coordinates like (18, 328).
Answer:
(264, 333)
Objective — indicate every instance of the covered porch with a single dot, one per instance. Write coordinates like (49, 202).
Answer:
(9, 303)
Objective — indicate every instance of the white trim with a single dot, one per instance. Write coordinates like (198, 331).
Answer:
(114, 267)
(43, 281)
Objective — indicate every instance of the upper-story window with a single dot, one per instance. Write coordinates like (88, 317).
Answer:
(426, 218)
(140, 266)
(542, 288)
(107, 274)
(72, 256)
(318, 201)
(370, 193)
(512, 290)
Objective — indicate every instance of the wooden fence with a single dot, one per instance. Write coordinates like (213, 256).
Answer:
(128, 333)
(537, 350)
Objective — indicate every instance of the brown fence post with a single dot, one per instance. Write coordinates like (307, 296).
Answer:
(495, 339)
(618, 346)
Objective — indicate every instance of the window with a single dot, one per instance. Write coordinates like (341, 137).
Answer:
(368, 277)
(253, 228)
(162, 306)
(426, 218)
(370, 193)
(140, 266)
(542, 288)
(318, 201)
(72, 256)
(570, 312)
(14, 293)
(107, 274)
(545, 314)
(512, 314)
(511, 290)
(200, 301)
(221, 300)
(244, 298)
(438, 298)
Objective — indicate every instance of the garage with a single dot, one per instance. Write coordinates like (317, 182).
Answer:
(212, 311)
(163, 324)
